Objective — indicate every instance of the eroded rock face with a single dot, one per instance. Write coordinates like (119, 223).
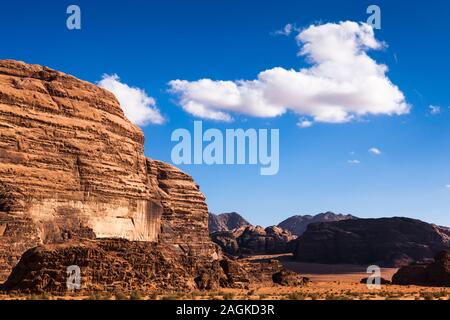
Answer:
(68, 153)
(106, 265)
(73, 167)
(434, 273)
(184, 218)
(254, 240)
(389, 242)
(117, 265)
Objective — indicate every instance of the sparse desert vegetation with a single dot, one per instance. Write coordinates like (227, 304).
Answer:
(314, 291)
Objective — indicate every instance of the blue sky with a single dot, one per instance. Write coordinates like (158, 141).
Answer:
(150, 43)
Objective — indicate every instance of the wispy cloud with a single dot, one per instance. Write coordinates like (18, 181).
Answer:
(395, 58)
(304, 123)
(353, 162)
(434, 109)
(139, 108)
(375, 151)
(287, 30)
(342, 84)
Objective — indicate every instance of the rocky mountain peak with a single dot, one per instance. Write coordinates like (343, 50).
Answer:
(226, 221)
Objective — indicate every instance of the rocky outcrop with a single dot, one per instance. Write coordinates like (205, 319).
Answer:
(254, 240)
(225, 222)
(117, 265)
(297, 224)
(389, 242)
(382, 280)
(290, 279)
(106, 265)
(72, 167)
(434, 273)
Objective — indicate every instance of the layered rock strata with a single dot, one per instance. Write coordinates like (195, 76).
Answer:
(73, 167)
(117, 265)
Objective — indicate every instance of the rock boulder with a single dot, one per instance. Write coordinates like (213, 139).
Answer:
(434, 273)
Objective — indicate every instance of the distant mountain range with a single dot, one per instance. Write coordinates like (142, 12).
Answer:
(297, 225)
(332, 238)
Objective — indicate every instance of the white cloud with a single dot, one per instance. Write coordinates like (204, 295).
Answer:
(341, 84)
(375, 151)
(448, 186)
(353, 162)
(138, 107)
(434, 109)
(304, 123)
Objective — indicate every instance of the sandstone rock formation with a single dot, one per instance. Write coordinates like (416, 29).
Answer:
(254, 240)
(225, 222)
(297, 224)
(73, 167)
(118, 265)
(434, 273)
(76, 189)
(389, 242)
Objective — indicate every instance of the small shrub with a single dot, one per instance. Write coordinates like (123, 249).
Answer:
(135, 295)
(171, 297)
(153, 296)
(228, 296)
(296, 296)
(119, 295)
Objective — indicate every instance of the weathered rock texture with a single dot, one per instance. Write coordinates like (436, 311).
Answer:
(389, 242)
(184, 219)
(297, 224)
(432, 273)
(254, 240)
(115, 265)
(73, 167)
(225, 222)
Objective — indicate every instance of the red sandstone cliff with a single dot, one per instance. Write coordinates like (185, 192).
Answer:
(73, 167)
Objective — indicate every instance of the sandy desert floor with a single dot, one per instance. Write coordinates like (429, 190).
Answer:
(328, 282)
